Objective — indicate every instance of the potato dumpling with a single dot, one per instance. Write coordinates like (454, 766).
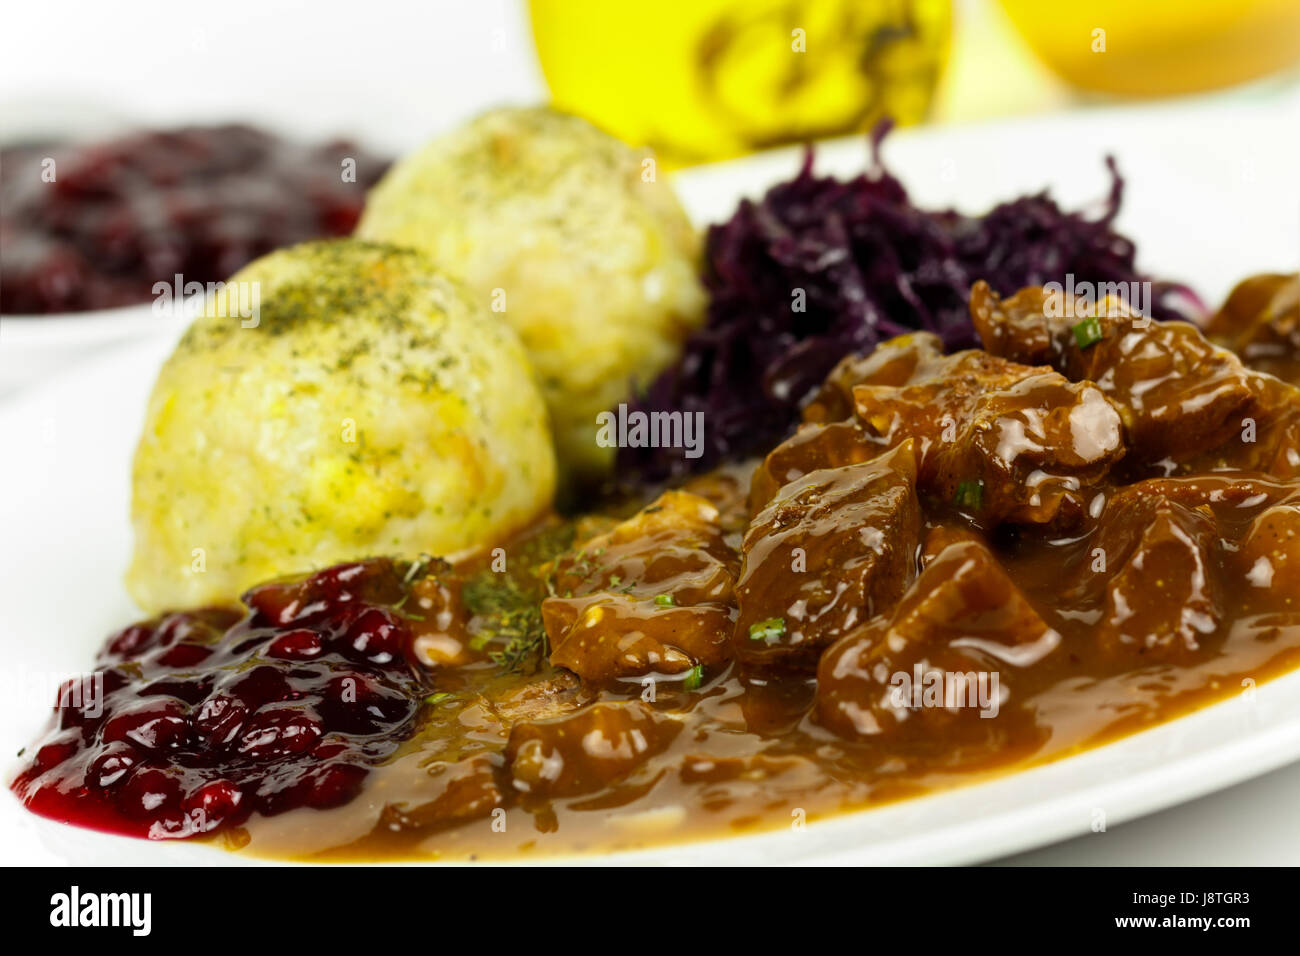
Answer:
(372, 408)
(563, 228)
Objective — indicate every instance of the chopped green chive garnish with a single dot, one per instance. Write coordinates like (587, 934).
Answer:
(665, 600)
(437, 698)
(694, 677)
(970, 494)
(1088, 332)
(415, 571)
(766, 630)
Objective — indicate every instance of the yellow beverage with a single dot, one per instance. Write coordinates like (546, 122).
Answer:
(1160, 47)
(706, 79)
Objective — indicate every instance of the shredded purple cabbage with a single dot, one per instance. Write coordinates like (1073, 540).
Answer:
(871, 266)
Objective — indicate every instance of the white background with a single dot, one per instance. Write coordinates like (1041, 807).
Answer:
(392, 72)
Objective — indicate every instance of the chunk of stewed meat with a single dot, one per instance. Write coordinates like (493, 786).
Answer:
(673, 544)
(895, 362)
(1000, 440)
(1184, 400)
(1268, 439)
(831, 551)
(652, 596)
(1268, 561)
(1233, 497)
(940, 669)
(1260, 321)
(614, 637)
(586, 751)
(1010, 441)
(1157, 564)
(811, 448)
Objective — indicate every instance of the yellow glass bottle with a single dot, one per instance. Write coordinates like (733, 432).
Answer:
(700, 80)
(1159, 47)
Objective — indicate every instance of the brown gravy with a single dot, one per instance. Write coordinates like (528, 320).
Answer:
(1088, 529)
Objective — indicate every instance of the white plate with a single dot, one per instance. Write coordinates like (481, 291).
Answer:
(1212, 197)
(34, 348)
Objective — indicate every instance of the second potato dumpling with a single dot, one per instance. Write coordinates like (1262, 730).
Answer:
(574, 237)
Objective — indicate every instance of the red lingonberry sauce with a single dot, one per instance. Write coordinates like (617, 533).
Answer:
(207, 716)
(126, 213)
